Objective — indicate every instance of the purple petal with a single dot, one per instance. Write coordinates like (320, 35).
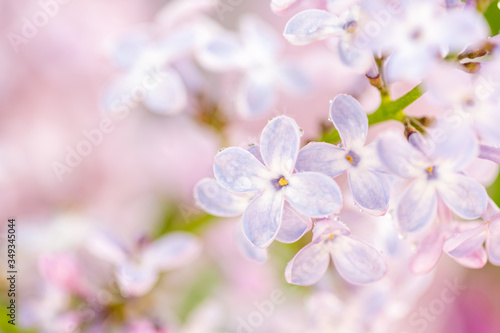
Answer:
(369, 189)
(322, 157)
(216, 200)
(417, 206)
(309, 265)
(476, 259)
(398, 156)
(493, 241)
(350, 120)
(279, 144)
(356, 261)
(262, 218)
(466, 242)
(256, 96)
(428, 253)
(293, 226)
(251, 252)
(458, 150)
(222, 53)
(166, 94)
(238, 170)
(354, 57)
(312, 25)
(313, 194)
(292, 79)
(278, 6)
(135, 280)
(171, 251)
(463, 195)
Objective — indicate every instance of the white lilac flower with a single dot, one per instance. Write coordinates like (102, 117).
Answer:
(436, 172)
(356, 261)
(369, 187)
(137, 270)
(310, 193)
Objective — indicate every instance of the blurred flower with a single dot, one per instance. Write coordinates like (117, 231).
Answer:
(356, 261)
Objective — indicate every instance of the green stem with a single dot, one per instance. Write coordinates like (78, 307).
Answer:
(388, 110)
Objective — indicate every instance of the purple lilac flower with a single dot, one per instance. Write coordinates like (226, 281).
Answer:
(355, 260)
(435, 171)
(368, 186)
(309, 193)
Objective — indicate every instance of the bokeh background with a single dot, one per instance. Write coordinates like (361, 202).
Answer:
(137, 182)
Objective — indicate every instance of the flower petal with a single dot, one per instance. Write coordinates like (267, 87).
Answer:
(250, 251)
(279, 144)
(256, 96)
(105, 247)
(238, 170)
(216, 200)
(262, 218)
(171, 251)
(356, 261)
(313, 194)
(322, 157)
(369, 189)
(476, 259)
(417, 206)
(261, 41)
(398, 156)
(293, 225)
(221, 53)
(309, 265)
(493, 242)
(354, 57)
(466, 242)
(312, 25)
(165, 93)
(463, 195)
(350, 120)
(428, 253)
(135, 280)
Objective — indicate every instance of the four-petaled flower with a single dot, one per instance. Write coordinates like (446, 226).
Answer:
(309, 193)
(368, 186)
(435, 170)
(355, 260)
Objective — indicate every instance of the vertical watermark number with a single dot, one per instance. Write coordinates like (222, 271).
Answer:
(11, 270)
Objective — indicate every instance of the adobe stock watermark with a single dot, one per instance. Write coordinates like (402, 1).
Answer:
(420, 319)
(31, 25)
(226, 6)
(263, 310)
(121, 110)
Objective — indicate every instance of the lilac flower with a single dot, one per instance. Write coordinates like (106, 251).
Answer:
(257, 54)
(154, 58)
(467, 246)
(314, 24)
(368, 186)
(138, 270)
(356, 261)
(435, 171)
(309, 193)
(424, 32)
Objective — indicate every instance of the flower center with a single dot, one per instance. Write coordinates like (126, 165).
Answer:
(283, 181)
(431, 172)
(352, 158)
(350, 26)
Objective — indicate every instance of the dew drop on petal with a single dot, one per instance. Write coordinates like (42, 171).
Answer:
(336, 218)
(329, 118)
(301, 132)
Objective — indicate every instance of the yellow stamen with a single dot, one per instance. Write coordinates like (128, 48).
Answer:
(429, 169)
(349, 158)
(331, 236)
(283, 181)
